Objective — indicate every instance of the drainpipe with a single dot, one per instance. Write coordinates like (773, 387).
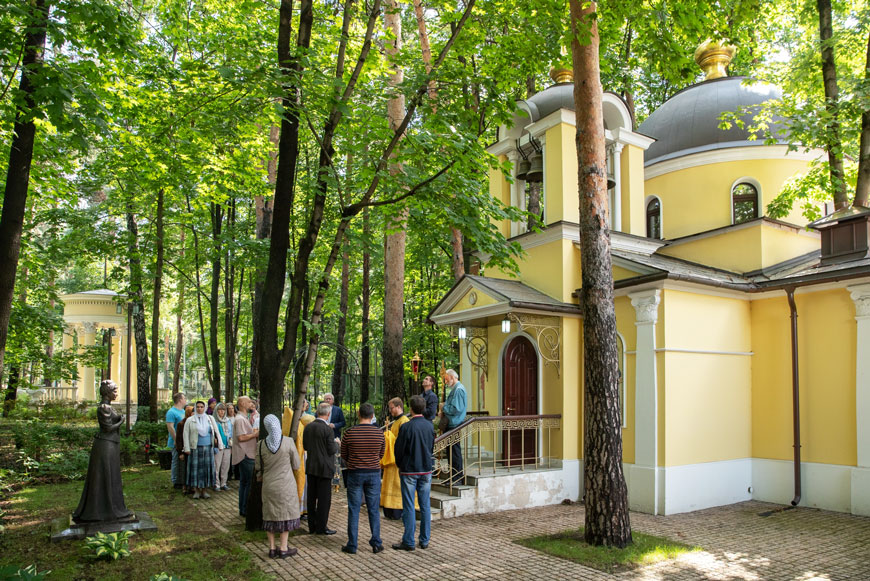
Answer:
(796, 417)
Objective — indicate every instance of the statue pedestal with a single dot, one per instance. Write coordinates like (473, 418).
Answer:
(64, 528)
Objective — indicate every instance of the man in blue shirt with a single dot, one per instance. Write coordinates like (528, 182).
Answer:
(173, 416)
(454, 408)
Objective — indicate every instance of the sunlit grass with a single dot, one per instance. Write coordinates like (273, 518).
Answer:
(186, 544)
(645, 549)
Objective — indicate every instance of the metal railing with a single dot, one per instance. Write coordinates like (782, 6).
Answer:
(511, 443)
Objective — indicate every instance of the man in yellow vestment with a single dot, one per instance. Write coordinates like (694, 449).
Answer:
(391, 486)
(299, 475)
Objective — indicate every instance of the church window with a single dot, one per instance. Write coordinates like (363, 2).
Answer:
(744, 200)
(654, 219)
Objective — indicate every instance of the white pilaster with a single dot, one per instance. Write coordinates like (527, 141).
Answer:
(643, 495)
(617, 189)
(861, 474)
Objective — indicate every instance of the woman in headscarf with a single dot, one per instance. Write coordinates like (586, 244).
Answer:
(274, 463)
(200, 439)
(222, 457)
(212, 402)
(179, 447)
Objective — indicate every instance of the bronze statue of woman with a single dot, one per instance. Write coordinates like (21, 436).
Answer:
(103, 498)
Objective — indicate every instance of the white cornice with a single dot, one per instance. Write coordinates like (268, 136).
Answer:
(628, 243)
(725, 155)
(622, 135)
(538, 128)
(627, 264)
(502, 147)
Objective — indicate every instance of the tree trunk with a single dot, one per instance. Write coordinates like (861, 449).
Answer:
(607, 520)
(366, 354)
(155, 312)
(263, 210)
(829, 75)
(214, 327)
(179, 331)
(143, 373)
(340, 368)
(394, 243)
(862, 189)
(20, 158)
(229, 311)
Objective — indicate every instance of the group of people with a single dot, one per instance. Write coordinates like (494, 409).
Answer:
(389, 467)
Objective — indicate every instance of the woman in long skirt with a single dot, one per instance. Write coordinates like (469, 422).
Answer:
(274, 463)
(200, 441)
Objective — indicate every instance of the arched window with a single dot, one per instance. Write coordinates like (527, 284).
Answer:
(744, 202)
(654, 219)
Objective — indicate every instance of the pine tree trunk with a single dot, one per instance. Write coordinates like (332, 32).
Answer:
(155, 312)
(862, 189)
(607, 520)
(143, 373)
(394, 243)
(832, 105)
(20, 159)
(366, 354)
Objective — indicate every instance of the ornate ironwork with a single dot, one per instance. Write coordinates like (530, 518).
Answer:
(547, 332)
(477, 348)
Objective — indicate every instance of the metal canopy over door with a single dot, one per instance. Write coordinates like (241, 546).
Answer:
(520, 397)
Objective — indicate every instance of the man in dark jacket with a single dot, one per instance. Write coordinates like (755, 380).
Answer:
(336, 419)
(414, 449)
(321, 445)
(430, 397)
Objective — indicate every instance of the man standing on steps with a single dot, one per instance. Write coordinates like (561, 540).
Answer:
(454, 408)
(430, 397)
(322, 446)
(362, 448)
(414, 449)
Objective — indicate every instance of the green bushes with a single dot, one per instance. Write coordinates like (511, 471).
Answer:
(110, 547)
(52, 451)
(11, 572)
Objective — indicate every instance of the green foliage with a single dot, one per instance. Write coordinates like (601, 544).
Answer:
(165, 577)
(109, 547)
(52, 451)
(12, 572)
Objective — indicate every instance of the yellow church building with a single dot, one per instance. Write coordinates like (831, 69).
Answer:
(722, 313)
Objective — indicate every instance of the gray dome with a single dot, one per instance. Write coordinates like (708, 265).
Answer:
(551, 99)
(688, 122)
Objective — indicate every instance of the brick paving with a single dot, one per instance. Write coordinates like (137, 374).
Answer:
(802, 544)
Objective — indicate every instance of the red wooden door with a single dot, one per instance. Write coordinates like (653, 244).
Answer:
(520, 397)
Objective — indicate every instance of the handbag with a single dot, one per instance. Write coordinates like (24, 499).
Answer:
(254, 516)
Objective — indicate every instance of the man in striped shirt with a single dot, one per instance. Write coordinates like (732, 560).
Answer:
(361, 449)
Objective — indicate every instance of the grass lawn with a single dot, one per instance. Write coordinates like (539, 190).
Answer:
(185, 545)
(645, 549)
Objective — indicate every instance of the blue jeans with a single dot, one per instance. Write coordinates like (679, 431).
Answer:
(422, 485)
(246, 473)
(173, 474)
(359, 484)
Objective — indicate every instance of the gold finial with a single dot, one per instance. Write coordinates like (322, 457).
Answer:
(714, 58)
(560, 74)
(562, 71)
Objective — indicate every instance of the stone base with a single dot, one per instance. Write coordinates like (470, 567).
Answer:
(65, 529)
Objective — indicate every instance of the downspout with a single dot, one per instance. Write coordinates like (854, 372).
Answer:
(795, 394)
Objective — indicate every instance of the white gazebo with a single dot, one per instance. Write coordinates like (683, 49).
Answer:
(86, 316)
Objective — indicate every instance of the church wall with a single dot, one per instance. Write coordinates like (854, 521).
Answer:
(779, 243)
(625, 327)
(500, 189)
(826, 348)
(633, 191)
(560, 182)
(705, 371)
(698, 198)
(734, 250)
(572, 393)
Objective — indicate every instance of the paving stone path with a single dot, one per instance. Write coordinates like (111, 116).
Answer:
(801, 545)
